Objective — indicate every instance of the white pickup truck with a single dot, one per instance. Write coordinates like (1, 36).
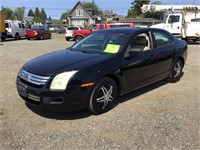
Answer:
(181, 20)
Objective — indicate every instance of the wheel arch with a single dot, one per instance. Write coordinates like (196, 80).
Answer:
(181, 59)
(78, 35)
(117, 81)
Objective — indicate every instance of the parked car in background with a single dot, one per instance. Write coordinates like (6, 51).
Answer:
(95, 71)
(15, 29)
(37, 33)
(59, 30)
(70, 30)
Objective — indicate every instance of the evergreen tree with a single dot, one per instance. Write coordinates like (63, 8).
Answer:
(137, 4)
(64, 16)
(43, 15)
(156, 15)
(31, 13)
(36, 15)
(37, 12)
(131, 13)
(93, 6)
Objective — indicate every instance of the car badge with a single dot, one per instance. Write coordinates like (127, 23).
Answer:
(29, 77)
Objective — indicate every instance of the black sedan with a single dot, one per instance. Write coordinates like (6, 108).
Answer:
(105, 65)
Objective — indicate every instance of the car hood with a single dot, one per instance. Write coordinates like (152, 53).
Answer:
(60, 61)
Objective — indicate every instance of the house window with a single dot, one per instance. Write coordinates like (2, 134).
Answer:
(79, 12)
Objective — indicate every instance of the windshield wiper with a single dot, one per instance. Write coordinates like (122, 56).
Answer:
(89, 52)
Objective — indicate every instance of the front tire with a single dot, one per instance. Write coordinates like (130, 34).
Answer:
(78, 38)
(103, 96)
(176, 71)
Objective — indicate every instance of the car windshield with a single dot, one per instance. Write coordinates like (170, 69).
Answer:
(33, 28)
(102, 42)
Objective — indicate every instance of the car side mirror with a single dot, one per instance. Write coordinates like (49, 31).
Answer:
(135, 51)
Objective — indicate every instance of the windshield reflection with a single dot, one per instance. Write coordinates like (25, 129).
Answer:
(104, 42)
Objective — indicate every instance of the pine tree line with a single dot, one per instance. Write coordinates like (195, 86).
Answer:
(38, 16)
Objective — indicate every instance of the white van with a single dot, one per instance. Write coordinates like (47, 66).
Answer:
(15, 29)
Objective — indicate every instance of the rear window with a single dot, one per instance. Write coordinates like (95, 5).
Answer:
(122, 25)
(33, 29)
(72, 28)
(195, 20)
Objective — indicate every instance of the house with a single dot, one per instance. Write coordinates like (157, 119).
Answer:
(109, 16)
(81, 16)
(142, 22)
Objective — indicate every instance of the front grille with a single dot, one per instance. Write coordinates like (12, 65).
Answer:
(33, 78)
(33, 97)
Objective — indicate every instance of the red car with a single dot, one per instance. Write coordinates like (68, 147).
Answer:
(38, 33)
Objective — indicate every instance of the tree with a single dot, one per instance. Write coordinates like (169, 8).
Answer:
(136, 10)
(156, 15)
(64, 16)
(131, 13)
(137, 4)
(8, 13)
(43, 15)
(31, 13)
(36, 15)
(37, 12)
(19, 13)
(93, 6)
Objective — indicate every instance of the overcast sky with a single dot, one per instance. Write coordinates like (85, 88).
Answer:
(55, 8)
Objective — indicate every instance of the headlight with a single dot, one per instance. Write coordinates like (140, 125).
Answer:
(61, 80)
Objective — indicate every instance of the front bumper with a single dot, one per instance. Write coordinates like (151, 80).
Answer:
(73, 98)
(32, 36)
(69, 37)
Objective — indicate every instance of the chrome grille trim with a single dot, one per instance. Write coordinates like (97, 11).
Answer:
(33, 97)
(33, 78)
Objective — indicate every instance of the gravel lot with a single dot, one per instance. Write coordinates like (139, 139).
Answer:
(160, 116)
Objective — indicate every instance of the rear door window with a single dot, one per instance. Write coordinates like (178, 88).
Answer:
(162, 39)
(23, 26)
(19, 24)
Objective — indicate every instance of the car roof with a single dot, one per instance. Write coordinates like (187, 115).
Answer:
(133, 29)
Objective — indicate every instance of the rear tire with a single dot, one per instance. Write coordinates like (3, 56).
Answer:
(103, 96)
(41, 37)
(176, 71)
(17, 37)
(3, 38)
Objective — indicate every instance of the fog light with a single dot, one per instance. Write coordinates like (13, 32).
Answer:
(53, 100)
